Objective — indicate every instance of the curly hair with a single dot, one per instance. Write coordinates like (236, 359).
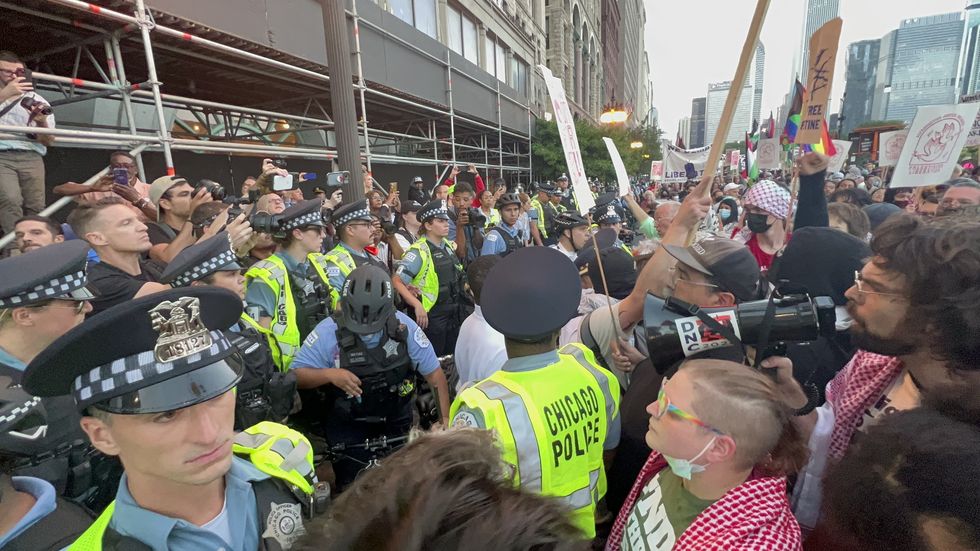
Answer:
(940, 260)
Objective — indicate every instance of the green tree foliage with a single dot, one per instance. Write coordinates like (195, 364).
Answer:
(549, 157)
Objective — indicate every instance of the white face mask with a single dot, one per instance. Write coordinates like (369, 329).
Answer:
(685, 468)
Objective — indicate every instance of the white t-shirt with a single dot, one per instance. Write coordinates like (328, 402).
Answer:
(900, 395)
(220, 525)
(480, 350)
(572, 255)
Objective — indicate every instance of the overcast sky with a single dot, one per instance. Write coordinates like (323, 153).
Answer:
(694, 42)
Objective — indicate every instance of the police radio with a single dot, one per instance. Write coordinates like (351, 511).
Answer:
(676, 330)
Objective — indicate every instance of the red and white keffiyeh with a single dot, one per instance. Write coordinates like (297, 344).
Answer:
(855, 389)
(770, 197)
(754, 515)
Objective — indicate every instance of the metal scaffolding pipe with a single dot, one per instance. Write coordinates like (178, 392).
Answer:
(20, 130)
(143, 19)
(117, 69)
(228, 107)
(361, 85)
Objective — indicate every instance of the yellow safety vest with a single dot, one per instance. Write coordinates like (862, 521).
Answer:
(338, 256)
(536, 205)
(427, 280)
(551, 425)
(272, 272)
(492, 219)
(274, 449)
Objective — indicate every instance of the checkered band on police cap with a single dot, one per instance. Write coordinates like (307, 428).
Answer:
(308, 219)
(770, 197)
(126, 374)
(609, 216)
(433, 209)
(363, 213)
(57, 287)
(19, 411)
(206, 267)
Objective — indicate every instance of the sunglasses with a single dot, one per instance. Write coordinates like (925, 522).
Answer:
(77, 305)
(664, 406)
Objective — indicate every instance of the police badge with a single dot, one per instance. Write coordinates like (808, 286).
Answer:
(182, 333)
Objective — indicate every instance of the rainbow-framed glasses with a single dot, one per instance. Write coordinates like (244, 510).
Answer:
(664, 406)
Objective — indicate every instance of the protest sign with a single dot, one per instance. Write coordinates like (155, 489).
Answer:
(767, 155)
(973, 139)
(890, 147)
(734, 157)
(569, 141)
(675, 159)
(819, 79)
(656, 171)
(617, 161)
(843, 148)
(933, 146)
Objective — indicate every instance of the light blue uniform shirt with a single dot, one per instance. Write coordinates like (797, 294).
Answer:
(260, 301)
(411, 264)
(320, 350)
(7, 359)
(163, 533)
(334, 276)
(493, 243)
(45, 503)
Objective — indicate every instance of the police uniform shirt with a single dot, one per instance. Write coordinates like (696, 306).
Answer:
(45, 502)
(260, 301)
(320, 348)
(336, 278)
(236, 527)
(469, 417)
(8, 360)
(493, 243)
(411, 264)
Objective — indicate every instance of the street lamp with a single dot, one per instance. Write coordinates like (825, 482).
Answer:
(636, 145)
(613, 113)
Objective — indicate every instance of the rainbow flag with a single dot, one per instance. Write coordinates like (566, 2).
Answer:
(826, 145)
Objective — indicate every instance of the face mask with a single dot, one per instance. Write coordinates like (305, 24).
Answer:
(684, 468)
(725, 215)
(758, 223)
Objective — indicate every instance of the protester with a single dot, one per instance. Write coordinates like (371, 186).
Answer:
(416, 192)
(962, 192)
(440, 193)
(33, 232)
(854, 196)
(135, 191)
(878, 213)
(664, 216)
(849, 218)
(171, 231)
(467, 235)
(766, 207)
(728, 216)
(480, 349)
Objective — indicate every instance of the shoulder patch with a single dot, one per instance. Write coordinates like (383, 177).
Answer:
(333, 271)
(492, 236)
(409, 256)
(420, 338)
(311, 338)
(466, 418)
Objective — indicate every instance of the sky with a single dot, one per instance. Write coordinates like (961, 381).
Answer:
(693, 42)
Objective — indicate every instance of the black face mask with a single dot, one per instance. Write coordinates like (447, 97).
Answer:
(758, 223)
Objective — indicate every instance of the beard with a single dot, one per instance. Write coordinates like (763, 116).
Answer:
(902, 341)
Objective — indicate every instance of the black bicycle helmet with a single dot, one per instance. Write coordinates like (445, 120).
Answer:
(508, 199)
(367, 299)
(568, 220)
(23, 421)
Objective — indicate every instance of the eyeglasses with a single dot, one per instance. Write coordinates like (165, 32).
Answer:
(77, 305)
(677, 278)
(664, 406)
(859, 283)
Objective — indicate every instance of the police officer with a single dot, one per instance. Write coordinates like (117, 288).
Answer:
(567, 197)
(432, 268)
(363, 360)
(573, 234)
(264, 393)
(541, 213)
(284, 293)
(505, 237)
(610, 215)
(162, 400)
(43, 294)
(34, 517)
(355, 230)
(553, 411)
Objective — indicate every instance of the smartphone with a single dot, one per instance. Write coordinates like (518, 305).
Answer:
(282, 183)
(120, 176)
(337, 179)
(392, 187)
(690, 171)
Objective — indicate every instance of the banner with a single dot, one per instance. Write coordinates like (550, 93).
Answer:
(621, 176)
(843, 148)
(974, 138)
(933, 146)
(569, 142)
(819, 79)
(675, 159)
(767, 156)
(656, 171)
(890, 146)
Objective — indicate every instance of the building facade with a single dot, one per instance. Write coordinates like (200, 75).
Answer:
(970, 83)
(612, 60)
(861, 73)
(697, 122)
(684, 131)
(818, 12)
(741, 122)
(574, 52)
(631, 42)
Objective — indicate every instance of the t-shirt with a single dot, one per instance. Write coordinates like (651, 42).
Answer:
(141, 187)
(158, 235)
(664, 510)
(115, 286)
(900, 395)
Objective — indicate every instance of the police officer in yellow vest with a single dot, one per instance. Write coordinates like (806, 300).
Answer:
(355, 229)
(285, 293)
(542, 214)
(437, 278)
(610, 215)
(162, 399)
(555, 412)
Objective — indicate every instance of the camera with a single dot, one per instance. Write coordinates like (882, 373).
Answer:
(279, 163)
(263, 222)
(477, 218)
(29, 103)
(675, 330)
(216, 190)
(237, 202)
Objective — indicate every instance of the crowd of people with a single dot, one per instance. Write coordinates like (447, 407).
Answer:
(484, 365)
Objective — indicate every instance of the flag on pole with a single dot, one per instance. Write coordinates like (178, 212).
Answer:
(826, 145)
(751, 171)
(771, 127)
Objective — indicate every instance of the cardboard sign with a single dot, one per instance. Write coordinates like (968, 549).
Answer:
(621, 176)
(934, 143)
(843, 148)
(734, 157)
(656, 171)
(675, 158)
(569, 142)
(768, 153)
(819, 79)
(891, 145)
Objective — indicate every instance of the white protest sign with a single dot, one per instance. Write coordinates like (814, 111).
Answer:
(890, 145)
(974, 139)
(767, 154)
(734, 157)
(569, 141)
(933, 146)
(843, 147)
(675, 159)
(621, 176)
(656, 171)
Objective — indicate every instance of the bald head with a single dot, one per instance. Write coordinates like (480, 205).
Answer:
(664, 215)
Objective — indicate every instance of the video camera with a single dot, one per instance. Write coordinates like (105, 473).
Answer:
(237, 202)
(676, 330)
(216, 190)
(477, 218)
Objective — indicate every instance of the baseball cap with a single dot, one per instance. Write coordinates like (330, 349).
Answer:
(728, 263)
(411, 206)
(729, 187)
(160, 186)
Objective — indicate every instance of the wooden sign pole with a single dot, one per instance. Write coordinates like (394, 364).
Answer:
(731, 103)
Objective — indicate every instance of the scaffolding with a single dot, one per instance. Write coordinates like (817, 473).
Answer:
(434, 136)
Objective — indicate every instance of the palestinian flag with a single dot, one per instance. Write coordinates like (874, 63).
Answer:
(826, 145)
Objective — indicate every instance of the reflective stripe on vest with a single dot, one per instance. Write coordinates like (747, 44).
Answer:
(536, 205)
(279, 451)
(528, 454)
(272, 272)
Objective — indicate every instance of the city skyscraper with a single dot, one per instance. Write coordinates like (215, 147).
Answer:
(859, 90)
(717, 95)
(697, 122)
(970, 83)
(684, 130)
(759, 73)
(818, 12)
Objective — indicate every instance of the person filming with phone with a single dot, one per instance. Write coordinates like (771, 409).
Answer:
(21, 160)
(122, 180)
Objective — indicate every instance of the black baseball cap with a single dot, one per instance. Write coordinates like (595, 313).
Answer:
(728, 263)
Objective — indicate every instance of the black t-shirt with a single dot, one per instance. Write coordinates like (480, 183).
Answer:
(114, 286)
(158, 233)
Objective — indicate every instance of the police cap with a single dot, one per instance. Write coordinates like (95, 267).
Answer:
(302, 215)
(157, 353)
(201, 260)
(608, 214)
(433, 209)
(526, 308)
(55, 271)
(569, 220)
(356, 210)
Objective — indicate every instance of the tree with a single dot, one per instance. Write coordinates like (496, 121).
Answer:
(549, 157)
